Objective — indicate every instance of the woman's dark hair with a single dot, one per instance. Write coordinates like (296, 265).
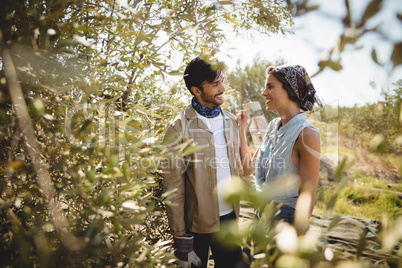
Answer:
(198, 72)
(285, 84)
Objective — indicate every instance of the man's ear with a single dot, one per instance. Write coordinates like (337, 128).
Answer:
(196, 91)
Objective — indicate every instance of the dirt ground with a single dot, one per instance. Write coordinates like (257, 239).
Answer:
(364, 160)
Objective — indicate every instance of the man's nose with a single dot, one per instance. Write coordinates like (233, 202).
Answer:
(222, 88)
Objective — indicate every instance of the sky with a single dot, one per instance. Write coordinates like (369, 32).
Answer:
(316, 33)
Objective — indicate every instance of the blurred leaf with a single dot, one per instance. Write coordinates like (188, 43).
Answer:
(342, 167)
(334, 195)
(126, 169)
(379, 144)
(289, 261)
(85, 126)
(48, 117)
(334, 222)
(140, 37)
(189, 149)
(259, 256)
(362, 243)
(231, 19)
(374, 56)
(229, 234)
(82, 40)
(335, 65)
(177, 72)
(113, 161)
(372, 9)
(37, 107)
(396, 56)
(225, 2)
(134, 125)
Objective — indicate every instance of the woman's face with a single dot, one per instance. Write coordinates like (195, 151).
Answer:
(275, 95)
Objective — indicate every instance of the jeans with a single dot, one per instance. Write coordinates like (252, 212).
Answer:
(286, 214)
(224, 256)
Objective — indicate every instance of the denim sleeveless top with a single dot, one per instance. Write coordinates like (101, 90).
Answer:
(274, 158)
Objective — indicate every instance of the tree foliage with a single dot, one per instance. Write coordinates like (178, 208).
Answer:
(249, 81)
(379, 124)
(358, 27)
(87, 90)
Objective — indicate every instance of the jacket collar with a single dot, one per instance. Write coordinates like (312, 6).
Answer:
(191, 115)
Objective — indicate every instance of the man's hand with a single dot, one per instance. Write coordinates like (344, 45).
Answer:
(184, 251)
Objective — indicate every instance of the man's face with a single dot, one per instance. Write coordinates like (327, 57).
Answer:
(212, 93)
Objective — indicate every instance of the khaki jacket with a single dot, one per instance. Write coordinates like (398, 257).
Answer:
(190, 182)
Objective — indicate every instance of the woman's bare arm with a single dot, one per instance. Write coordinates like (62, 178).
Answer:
(308, 146)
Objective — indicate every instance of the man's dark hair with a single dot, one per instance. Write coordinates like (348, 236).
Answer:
(198, 72)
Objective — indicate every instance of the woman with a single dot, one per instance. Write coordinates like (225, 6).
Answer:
(291, 144)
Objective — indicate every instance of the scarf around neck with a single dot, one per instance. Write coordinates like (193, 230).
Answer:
(205, 111)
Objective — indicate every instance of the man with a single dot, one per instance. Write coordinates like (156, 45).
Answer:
(198, 207)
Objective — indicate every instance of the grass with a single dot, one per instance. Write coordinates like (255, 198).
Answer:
(369, 169)
(356, 199)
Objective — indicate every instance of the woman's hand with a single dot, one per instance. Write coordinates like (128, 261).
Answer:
(242, 118)
(245, 154)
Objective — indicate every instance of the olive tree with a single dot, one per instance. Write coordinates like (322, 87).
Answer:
(86, 91)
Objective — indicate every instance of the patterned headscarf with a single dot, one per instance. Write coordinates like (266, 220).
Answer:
(301, 84)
